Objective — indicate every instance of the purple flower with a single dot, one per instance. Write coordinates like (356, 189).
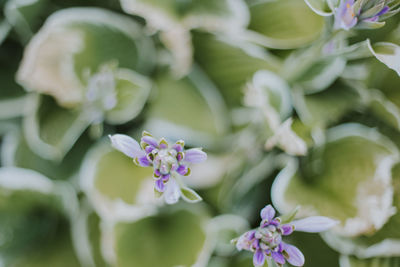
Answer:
(168, 161)
(266, 240)
(358, 13)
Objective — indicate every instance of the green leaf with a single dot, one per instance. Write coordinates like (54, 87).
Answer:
(190, 109)
(167, 240)
(174, 19)
(59, 252)
(12, 96)
(34, 214)
(316, 252)
(114, 184)
(230, 63)
(24, 16)
(327, 107)
(50, 130)
(132, 93)
(75, 42)
(5, 28)
(16, 152)
(320, 7)
(284, 24)
(288, 217)
(349, 261)
(348, 179)
(388, 54)
(190, 195)
(383, 243)
(384, 109)
(321, 74)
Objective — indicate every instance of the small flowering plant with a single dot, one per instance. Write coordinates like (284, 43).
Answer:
(363, 13)
(169, 163)
(266, 240)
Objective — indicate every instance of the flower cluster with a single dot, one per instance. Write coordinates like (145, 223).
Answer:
(360, 13)
(266, 241)
(169, 162)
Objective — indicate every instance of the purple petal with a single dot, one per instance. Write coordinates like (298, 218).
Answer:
(163, 144)
(126, 145)
(148, 149)
(383, 11)
(182, 170)
(267, 213)
(150, 140)
(179, 157)
(195, 155)
(165, 178)
(172, 192)
(159, 185)
(287, 229)
(157, 173)
(314, 224)
(245, 240)
(178, 147)
(144, 161)
(259, 258)
(295, 257)
(278, 257)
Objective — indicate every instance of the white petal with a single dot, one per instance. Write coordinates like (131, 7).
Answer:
(172, 192)
(314, 224)
(126, 145)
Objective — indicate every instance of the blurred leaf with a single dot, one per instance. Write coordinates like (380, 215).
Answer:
(12, 96)
(315, 250)
(321, 74)
(385, 80)
(384, 242)
(327, 107)
(166, 240)
(175, 19)
(348, 179)
(348, 261)
(59, 252)
(190, 109)
(230, 63)
(5, 28)
(284, 24)
(24, 16)
(132, 93)
(50, 130)
(388, 54)
(190, 195)
(320, 7)
(94, 232)
(384, 109)
(114, 174)
(74, 43)
(16, 152)
(33, 212)
(114, 185)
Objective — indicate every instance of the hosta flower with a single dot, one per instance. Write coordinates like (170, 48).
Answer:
(361, 13)
(266, 241)
(169, 162)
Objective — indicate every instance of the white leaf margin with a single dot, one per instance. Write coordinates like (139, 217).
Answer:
(389, 61)
(382, 176)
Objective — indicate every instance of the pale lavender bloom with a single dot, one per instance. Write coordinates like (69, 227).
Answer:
(266, 241)
(344, 15)
(358, 13)
(168, 161)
